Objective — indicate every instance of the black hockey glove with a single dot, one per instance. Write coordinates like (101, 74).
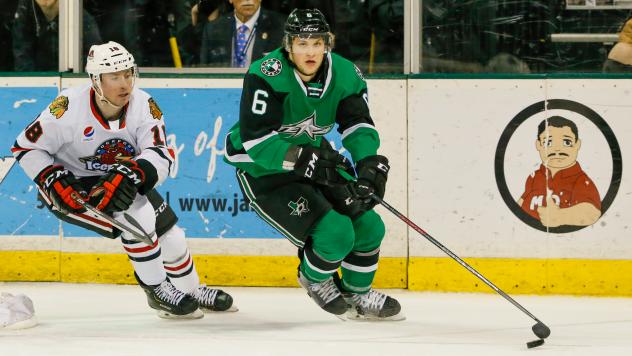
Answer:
(319, 164)
(344, 199)
(61, 185)
(372, 176)
(117, 189)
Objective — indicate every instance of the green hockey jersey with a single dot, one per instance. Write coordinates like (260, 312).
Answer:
(278, 110)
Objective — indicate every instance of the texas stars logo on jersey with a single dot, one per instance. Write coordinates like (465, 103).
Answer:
(108, 153)
(155, 111)
(59, 106)
(298, 207)
(307, 126)
(271, 67)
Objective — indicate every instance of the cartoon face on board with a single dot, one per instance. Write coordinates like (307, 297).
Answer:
(558, 144)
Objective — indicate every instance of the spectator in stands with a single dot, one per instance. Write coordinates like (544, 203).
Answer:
(146, 26)
(387, 27)
(150, 25)
(7, 11)
(190, 38)
(620, 56)
(36, 35)
(244, 35)
(209, 10)
(506, 63)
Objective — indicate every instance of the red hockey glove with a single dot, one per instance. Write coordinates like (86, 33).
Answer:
(61, 185)
(117, 189)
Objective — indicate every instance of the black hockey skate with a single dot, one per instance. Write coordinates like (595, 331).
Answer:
(373, 306)
(326, 294)
(213, 300)
(170, 303)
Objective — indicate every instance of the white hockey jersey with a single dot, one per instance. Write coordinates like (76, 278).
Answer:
(72, 133)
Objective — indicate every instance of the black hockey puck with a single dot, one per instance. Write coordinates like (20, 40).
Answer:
(535, 343)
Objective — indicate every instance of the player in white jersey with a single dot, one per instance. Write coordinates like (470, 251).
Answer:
(105, 142)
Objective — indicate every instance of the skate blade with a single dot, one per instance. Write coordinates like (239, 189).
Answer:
(197, 314)
(20, 325)
(232, 309)
(342, 317)
(355, 316)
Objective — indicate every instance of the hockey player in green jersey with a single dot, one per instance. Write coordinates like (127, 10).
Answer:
(285, 166)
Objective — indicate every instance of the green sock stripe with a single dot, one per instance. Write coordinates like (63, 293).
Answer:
(347, 287)
(313, 275)
(359, 269)
(357, 280)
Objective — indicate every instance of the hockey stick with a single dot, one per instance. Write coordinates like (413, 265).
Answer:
(142, 236)
(539, 329)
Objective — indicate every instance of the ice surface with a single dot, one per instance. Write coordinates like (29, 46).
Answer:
(89, 319)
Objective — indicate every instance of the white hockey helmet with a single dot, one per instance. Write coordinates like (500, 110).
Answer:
(108, 58)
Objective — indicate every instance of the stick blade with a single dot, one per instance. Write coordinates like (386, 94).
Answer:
(535, 343)
(143, 235)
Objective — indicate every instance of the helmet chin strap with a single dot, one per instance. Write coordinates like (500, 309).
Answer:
(103, 99)
(98, 90)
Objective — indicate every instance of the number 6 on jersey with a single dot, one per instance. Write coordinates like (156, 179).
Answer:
(258, 105)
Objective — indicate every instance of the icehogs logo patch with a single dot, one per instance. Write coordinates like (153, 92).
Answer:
(271, 67)
(109, 152)
(59, 106)
(155, 111)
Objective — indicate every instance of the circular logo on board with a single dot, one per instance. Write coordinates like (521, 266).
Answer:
(271, 67)
(575, 159)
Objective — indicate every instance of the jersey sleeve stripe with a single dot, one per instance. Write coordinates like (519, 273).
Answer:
(239, 158)
(160, 153)
(353, 128)
(19, 152)
(252, 143)
(19, 156)
(233, 155)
